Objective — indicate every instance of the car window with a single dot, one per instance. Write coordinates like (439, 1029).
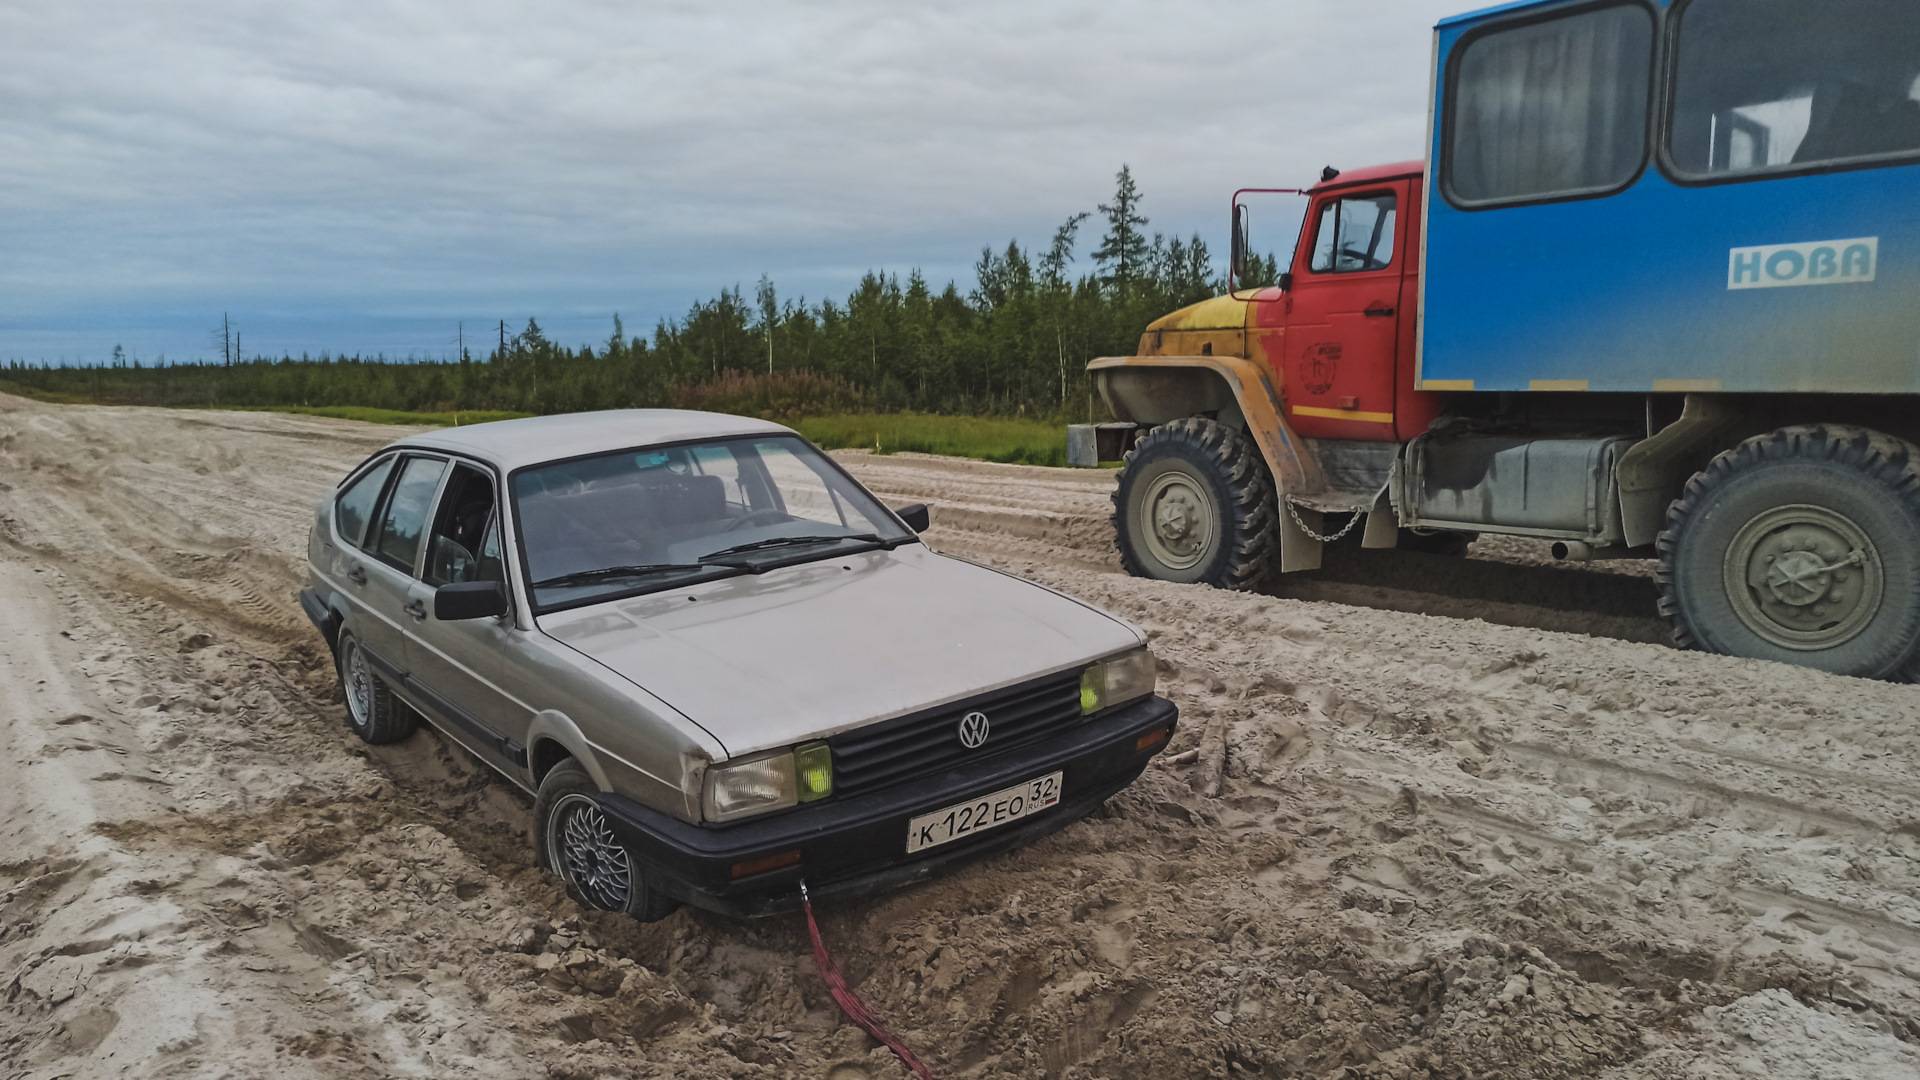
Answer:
(1550, 108)
(1355, 233)
(352, 507)
(405, 520)
(1777, 84)
(460, 528)
(803, 492)
(634, 521)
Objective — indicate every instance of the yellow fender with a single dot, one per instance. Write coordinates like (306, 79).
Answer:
(1295, 469)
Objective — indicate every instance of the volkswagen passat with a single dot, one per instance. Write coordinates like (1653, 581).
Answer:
(720, 664)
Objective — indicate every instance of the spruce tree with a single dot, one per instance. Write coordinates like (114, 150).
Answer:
(1123, 251)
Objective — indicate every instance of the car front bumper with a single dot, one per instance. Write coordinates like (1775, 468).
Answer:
(854, 846)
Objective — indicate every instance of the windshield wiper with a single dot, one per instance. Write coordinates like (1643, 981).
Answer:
(586, 576)
(786, 541)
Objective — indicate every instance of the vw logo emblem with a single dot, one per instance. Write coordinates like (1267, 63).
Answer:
(973, 730)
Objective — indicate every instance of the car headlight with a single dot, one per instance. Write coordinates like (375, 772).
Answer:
(752, 787)
(1123, 678)
(813, 771)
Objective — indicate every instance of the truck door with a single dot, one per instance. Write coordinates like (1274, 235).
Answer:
(1337, 373)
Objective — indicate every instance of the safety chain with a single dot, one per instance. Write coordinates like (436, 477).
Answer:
(1294, 511)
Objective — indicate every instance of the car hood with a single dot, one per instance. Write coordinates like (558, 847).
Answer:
(802, 652)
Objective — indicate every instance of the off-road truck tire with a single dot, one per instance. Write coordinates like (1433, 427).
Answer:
(1803, 546)
(1195, 503)
(373, 712)
(572, 838)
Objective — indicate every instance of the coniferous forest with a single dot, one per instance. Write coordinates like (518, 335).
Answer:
(1015, 343)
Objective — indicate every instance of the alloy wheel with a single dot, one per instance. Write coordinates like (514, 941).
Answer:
(589, 856)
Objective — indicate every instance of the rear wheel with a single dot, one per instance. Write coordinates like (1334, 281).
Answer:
(1803, 546)
(573, 838)
(372, 711)
(1195, 504)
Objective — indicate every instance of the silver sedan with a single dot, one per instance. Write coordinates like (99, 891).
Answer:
(720, 664)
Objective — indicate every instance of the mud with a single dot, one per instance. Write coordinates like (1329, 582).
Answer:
(1525, 839)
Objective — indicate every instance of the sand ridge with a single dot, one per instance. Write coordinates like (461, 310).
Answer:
(1444, 847)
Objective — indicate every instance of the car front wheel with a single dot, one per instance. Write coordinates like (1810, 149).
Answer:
(574, 839)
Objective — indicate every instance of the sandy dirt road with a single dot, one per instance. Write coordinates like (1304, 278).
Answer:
(1535, 843)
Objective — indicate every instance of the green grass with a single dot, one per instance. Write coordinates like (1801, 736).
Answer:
(1006, 439)
(381, 416)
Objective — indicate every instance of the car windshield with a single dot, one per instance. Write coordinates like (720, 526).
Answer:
(641, 520)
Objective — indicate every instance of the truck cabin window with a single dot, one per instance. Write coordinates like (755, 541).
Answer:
(1355, 233)
(1551, 108)
(1783, 84)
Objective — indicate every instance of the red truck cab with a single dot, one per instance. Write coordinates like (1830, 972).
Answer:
(1341, 341)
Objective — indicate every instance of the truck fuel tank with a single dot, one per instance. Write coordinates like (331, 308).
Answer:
(1526, 485)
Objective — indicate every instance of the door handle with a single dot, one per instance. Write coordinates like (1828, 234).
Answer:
(416, 608)
(357, 575)
(1378, 311)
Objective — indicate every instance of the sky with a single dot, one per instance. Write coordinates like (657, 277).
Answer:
(370, 177)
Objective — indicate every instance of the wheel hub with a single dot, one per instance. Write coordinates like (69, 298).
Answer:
(359, 686)
(1180, 518)
(1174, 516)
(1808, 575)
(592, 858)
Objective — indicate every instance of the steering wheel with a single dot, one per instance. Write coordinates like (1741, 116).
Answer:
(757, 517)
(1366, 261)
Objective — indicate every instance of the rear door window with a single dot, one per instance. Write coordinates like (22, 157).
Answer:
(1782, 85)
(352, 507)
(397, 541)
(1552, 108)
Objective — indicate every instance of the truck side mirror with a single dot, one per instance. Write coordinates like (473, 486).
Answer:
(464, 600)
(1286, 281)
(1237, 260)
(915, 517)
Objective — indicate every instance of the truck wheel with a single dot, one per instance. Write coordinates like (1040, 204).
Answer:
(1803, 546)
(572, 838)
(1195, 504)
(372, 711)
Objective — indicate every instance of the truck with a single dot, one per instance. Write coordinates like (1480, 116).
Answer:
(1654, 292)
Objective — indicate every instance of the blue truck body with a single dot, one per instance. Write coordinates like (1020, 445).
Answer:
(1800, 283)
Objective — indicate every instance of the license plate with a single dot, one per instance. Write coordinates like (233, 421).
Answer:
(986, 812)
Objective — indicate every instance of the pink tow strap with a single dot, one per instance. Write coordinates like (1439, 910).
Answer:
(850, 1002)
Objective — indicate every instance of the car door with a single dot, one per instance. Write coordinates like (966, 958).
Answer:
(455, 667)
(1342, 332)
(392, 555)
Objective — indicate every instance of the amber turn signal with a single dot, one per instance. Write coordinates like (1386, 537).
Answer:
(765, 863)
(1151, 738)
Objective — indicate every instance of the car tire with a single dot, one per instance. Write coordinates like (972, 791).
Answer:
(572, 838)
(1799, 546)
(373, 712)
(1195, 504)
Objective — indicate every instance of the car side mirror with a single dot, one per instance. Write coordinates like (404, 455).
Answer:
(917, 517)
(464, 600)
(1286, 281)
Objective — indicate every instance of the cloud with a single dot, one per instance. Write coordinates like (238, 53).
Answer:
(419, 158)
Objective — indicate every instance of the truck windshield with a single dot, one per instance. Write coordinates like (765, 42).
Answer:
(642, 520)
(1774, 84)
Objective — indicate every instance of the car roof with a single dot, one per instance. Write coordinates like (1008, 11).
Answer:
(514, 444)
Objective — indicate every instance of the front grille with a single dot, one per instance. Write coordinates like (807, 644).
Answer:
(906, 747)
